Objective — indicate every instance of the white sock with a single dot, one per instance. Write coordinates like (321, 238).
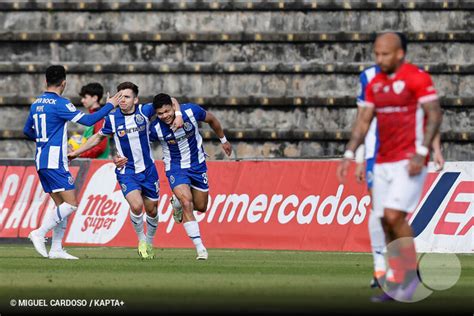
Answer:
(137, 222)
(377, 241)
(51, 219)
(151, 226)
(192, 229)
(58, 234)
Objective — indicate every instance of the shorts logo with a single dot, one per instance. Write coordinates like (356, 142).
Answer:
(139, 119)
(70, 180)
(398, 86)
(124, 187)
(172, 179)
(188, 126)
(370, 176)
(157, 186)
(121, 133)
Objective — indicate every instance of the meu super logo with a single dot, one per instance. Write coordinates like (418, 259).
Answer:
(102, 210)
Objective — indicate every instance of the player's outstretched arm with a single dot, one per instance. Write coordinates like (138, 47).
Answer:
(359, 131)
(217, 128)
(93, 141)
(91, 119)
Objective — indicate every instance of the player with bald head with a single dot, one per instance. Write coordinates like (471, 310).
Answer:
(389, 53)
(365, 160)
(402, 98)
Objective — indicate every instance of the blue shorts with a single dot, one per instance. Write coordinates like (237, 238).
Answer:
(145, 181)
(56, 180)
(196, 179)
(369, 172)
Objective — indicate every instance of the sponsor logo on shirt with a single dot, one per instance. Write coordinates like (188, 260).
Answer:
(376, 87)
(392, 109)
(123, 132)
(45, 101)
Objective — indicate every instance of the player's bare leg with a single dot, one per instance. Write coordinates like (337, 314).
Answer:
(185, 196)
(135, 200)
(200, 200)
(151, 223)
(66, 203)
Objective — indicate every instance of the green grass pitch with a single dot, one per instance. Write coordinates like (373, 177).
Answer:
(231, 281)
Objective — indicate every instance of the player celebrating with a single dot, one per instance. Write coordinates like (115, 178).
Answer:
(138, 178)
(47, 125)
(185, 161)
(366, 153)
(409, 115)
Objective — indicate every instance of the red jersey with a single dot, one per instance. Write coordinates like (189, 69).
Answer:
(397, 99)
(96, 151)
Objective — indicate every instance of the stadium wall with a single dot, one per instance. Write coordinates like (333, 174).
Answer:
(296, 205)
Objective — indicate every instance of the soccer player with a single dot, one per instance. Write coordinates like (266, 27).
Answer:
(409, 116)
(47, 125)
(185, 161)
(365, 159)
(138, 178)
(91, 94)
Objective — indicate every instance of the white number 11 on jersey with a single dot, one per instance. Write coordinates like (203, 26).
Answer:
(40, 131)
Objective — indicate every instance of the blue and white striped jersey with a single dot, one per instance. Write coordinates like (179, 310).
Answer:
(47, 125)
(131, 135)
(183, 148)
(371, 139)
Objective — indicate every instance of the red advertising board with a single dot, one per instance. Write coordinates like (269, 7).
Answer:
(297, 205)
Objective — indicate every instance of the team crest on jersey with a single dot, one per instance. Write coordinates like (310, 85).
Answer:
(172, 179)
(71, 107)
(70, 179)
(124, 187)
(187, 126)
(121, 133)
(139, 119)
(398, 86)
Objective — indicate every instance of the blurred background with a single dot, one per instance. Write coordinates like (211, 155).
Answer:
(281, 76)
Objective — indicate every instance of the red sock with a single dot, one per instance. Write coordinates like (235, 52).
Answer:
(408, 255)
(396, 265)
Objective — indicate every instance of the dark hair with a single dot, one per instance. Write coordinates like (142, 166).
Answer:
(403, 41)
(161, 99)
(93, 89)
(128, 85)
(55, 75)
